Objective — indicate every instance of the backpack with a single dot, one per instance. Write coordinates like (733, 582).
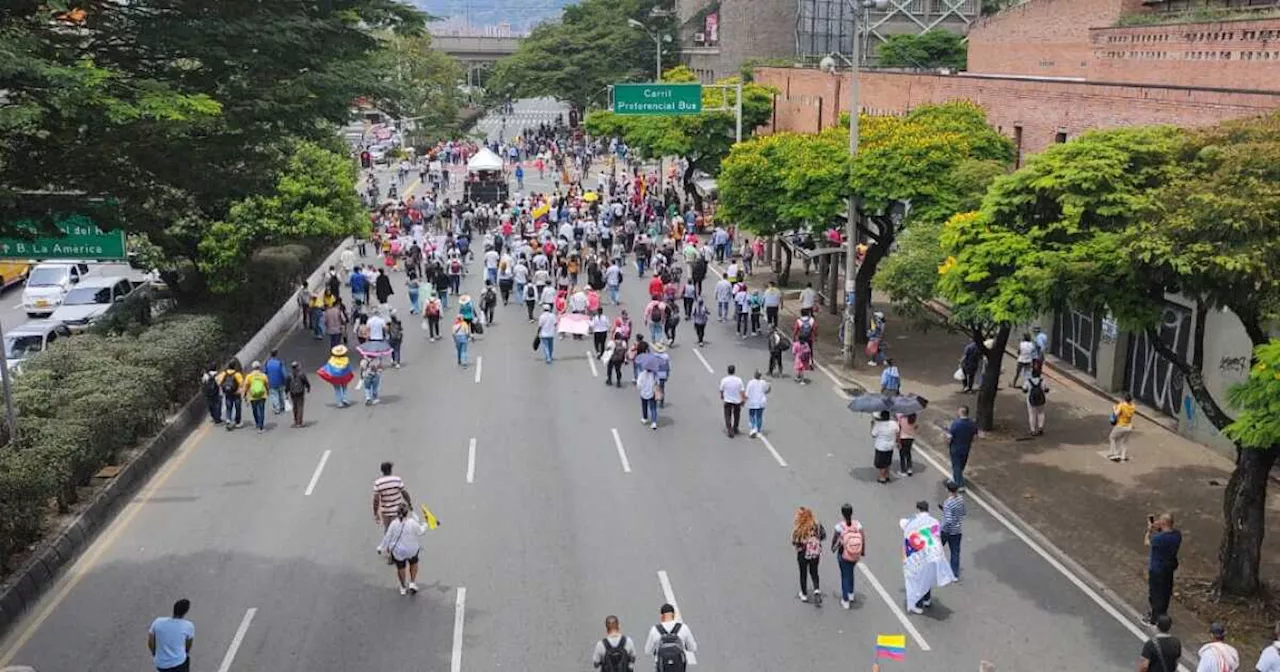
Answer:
(851, 542)
(297, 385)
(362, 331)
(806, 329)
(616, 658)
(433, 308)
(257, 387)
(670, 651)
(812, 547)
(455, 267)
(394, 332)
(229, 386)
(1035, 395)
(211, 386)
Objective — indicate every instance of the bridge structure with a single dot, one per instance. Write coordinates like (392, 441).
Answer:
(477, 53)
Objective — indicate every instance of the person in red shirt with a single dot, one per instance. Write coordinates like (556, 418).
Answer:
(655, 287)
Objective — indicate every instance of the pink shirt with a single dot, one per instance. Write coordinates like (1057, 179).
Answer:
(906, 429)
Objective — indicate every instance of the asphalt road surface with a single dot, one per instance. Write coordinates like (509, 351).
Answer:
(528, 113)
(558, 507)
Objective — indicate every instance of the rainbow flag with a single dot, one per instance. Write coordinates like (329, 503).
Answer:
(893, 647)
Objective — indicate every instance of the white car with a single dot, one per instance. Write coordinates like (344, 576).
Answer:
(28, 339)
(92, 298)
(48, 284)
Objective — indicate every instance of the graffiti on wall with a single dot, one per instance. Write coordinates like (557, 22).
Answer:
(1148, 375)
(1075, 340)
(1233, 364)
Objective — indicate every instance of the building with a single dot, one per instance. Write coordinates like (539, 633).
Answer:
(1049, 70)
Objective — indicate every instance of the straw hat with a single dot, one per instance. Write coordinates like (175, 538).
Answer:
(659, 348)
(339, 351)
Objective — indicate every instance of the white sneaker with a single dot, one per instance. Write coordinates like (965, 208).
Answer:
(653, 426)
(803, 597)
(752, 433)
(402, 590)
(644, 420)
(413, 587)
(844, 604)
(915, 610)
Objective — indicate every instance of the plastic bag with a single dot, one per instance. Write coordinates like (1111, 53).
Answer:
(958, 375)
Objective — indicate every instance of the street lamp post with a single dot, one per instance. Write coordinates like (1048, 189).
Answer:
(851, 221)
(657, 77)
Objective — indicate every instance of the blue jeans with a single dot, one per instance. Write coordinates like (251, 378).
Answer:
(317, 322)
(520, 289)
(846, 578)
(276, 395)
(232, 412)
(613, 294)
(755, 419)
(649, 409)
(460, 344)
(444, 297)
(548, 347)
(413, 303)
(340, 395)
(371, 386)
(952, 542)
(491, 274)
(655, 332)
(259, 408)
(640, 266)
(959, 458)
(395, 351)
(722, 310)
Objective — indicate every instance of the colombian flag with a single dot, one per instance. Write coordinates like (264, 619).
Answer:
(893, 647)
(337, 371)
(429, 518)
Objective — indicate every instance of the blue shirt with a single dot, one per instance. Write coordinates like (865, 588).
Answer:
(1164, 551)
(275, 372)
(358, 283)
(171, 640)
(962, 431)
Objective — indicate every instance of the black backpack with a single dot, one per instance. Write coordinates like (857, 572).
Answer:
(211, 386)
(229, 386)
(616, 658)
(1035, 395)
(670, 652)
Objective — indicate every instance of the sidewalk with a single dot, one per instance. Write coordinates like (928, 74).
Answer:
(1060, 483)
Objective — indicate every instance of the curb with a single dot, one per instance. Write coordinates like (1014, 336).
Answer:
(23, 589)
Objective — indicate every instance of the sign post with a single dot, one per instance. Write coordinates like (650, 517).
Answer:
(657, 100)
(81, 239)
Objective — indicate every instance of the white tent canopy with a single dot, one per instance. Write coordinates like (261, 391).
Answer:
(484, 160)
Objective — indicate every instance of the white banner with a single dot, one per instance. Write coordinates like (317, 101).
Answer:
(925, 564)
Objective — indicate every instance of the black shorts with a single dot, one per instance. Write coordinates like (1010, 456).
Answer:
(411, 561)
(884, 458)
(184, 667)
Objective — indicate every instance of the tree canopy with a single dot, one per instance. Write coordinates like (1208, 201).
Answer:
(591, 47)
(937, 48)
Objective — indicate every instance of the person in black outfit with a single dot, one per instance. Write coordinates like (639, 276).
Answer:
(1164, 542)
(1161, 652)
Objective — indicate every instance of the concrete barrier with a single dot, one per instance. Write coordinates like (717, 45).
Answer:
(61, 547)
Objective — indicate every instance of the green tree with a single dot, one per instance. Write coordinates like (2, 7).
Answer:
(425, 80)
(591, 47)
(937, 48)
(703, 140)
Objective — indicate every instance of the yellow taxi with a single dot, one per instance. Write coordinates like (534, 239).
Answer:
(13, 272)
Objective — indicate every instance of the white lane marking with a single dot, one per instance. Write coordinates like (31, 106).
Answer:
(838, 383)
(1040, 550)
(622, 454)
(591, 359)
(841, 393)
(704, 361)
(893, 606)
(774, 452)
(237, 640)
(471, 461)
(479, 367)
(459, 611)
(315, 478)
(670, 596)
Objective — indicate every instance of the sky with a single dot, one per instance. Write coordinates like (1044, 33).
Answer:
(521, 14)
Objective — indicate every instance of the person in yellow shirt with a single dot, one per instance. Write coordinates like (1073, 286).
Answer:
(256, 387)
(231, 381)
(1122, 421)
(315, 304)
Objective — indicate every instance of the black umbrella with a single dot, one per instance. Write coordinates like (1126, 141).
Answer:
(906, 404)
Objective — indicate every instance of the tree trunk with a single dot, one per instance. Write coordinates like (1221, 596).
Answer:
(1244, 510)
(986, 411)
(862, 287)
(784, 275)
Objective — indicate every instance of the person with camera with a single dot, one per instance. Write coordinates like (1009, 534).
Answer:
(1163, 540)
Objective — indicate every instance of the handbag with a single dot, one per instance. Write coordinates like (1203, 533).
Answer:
(958, 376)
(536, 342)
(873, 346)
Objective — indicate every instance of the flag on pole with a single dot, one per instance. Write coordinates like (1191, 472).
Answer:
(893, 647)
(429, 518)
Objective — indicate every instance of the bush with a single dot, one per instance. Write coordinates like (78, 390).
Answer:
(83, 401)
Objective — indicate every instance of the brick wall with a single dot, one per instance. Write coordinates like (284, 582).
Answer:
(1043, 38)
(1226, 54)
(1040, 108)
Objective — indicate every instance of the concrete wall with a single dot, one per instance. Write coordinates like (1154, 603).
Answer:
(1226, 54)
(758, 29)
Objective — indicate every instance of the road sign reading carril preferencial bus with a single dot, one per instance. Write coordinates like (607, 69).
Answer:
(657, 99)
(81, 239)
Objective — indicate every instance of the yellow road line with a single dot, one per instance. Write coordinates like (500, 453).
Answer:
(90, 560)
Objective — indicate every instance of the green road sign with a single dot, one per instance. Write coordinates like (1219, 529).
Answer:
(82, 240)
(656, 100)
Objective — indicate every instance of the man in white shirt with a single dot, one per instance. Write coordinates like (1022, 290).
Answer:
(732, 391)
(613, 281)
(377, 327)
(670, 625)
(757, 398)
(724, 294)
(491, 257)
(1217, 655)
(1269, 661)
(547, 331)
(808, 296)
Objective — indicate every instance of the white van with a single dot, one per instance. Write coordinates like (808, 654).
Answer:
(48, 284)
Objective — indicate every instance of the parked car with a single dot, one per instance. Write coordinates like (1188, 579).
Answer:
(13, 272)
(90, 300)
(48, 284)
(28, 339)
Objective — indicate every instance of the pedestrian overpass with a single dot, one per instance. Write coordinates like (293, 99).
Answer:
(476, 53)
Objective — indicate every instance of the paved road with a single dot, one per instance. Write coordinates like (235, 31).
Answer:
(544, 533)
(528, 114)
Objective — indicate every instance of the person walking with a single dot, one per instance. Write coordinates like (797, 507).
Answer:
(732, 394)
(599, 332)
(920, 578)
(906, 440)
(807, 535)
(371, 379)
(884, 433)
(1122, 428)
(1026, 352)
(953, 513)
(670, 641)
(1217, 655)
(647, 386)
(414, 287)
(337, 372)
(801, 359)
(616, 652)
(170, 638)
(389, 493)
(547, 333)
(461, 338)
(231, 382)
(276, 375)
(757, 399)
(335, 324)
(400, 543)
(700, 316)
(212, 393)
(1035, 389)
(1163, 541)
(960, 435)
(778, 344)
(848, 542)
(257, 387)
(969, 362)
(724, 296)
(1269, 660)
(382, 287)
(1162, 652)
(298, 387)
(772, 303)
(431, 317)
(890, 378)
(488, 303)
(394, 331)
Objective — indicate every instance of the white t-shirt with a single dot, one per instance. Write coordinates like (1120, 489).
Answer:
(547, 324)
(757, 391)
(731, 389)
(1026, 352)
(521, 273)
(491, 259)
(885, 433)
(377, 328)
(1269, 661)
